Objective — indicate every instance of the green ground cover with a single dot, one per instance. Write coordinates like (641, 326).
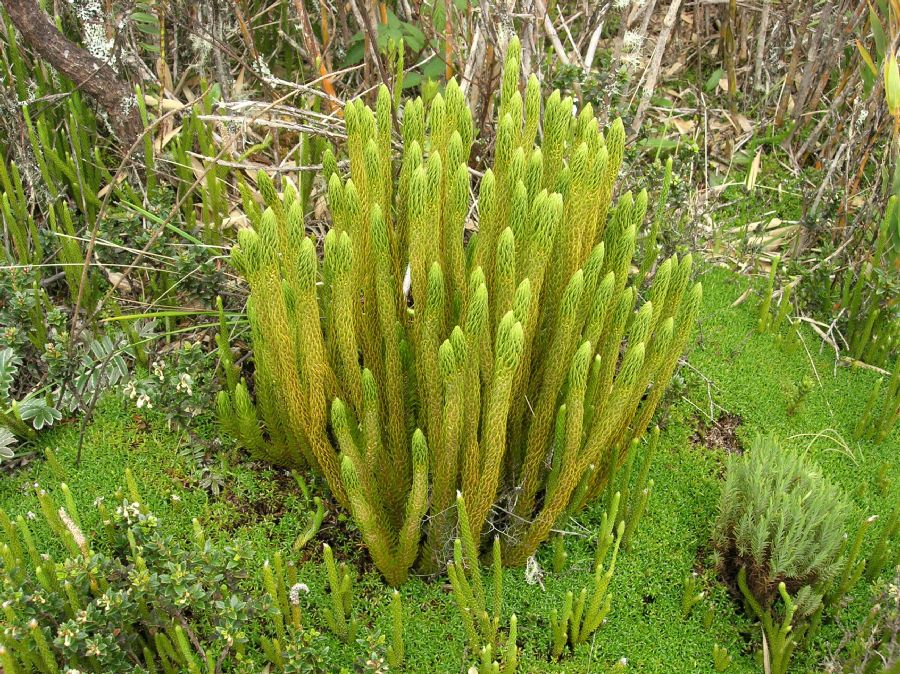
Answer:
(732, 372)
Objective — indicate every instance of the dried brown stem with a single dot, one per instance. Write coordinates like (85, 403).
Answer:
(655, 61)
(312, 48)
(363, 17)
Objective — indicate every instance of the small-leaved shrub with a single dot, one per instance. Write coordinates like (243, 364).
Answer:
(129, 597)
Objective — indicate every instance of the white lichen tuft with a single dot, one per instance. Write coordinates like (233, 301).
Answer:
(632, 40)
(262, 69)
(534, 575)
(32, 93)
(631, 59)
(296, 589)
(128, 104)
(93, 29)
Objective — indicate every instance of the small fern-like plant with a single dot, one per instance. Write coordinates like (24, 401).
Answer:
(781, 519)
(402, 393)
(780, 533)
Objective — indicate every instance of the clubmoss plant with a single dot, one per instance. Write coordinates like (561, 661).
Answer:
(559, 553)
(873, 328)
(511, 653)
(313, 523)
(709, 615)
(401, 394)
(799, 393)
(650, 252)
(852, 565)
(480, 624)
(340, 615)
(279, 584)
(53, 463)
(864, 425)
(881, 412)
(721, 658)
(634, 485)
(765, 318)
(690, 597)
(883, 556)
(779, 629)
(789, 340)
(784, 308)
(583, 614)
(396, 651)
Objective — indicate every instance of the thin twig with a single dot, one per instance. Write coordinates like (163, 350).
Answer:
(552, 34)
(654, 65)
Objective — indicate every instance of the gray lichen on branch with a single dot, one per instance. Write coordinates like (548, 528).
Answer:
(92, 74)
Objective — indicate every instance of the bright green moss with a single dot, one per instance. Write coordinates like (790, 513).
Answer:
(749, 376)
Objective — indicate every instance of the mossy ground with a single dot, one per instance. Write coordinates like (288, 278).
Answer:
(731, 369)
